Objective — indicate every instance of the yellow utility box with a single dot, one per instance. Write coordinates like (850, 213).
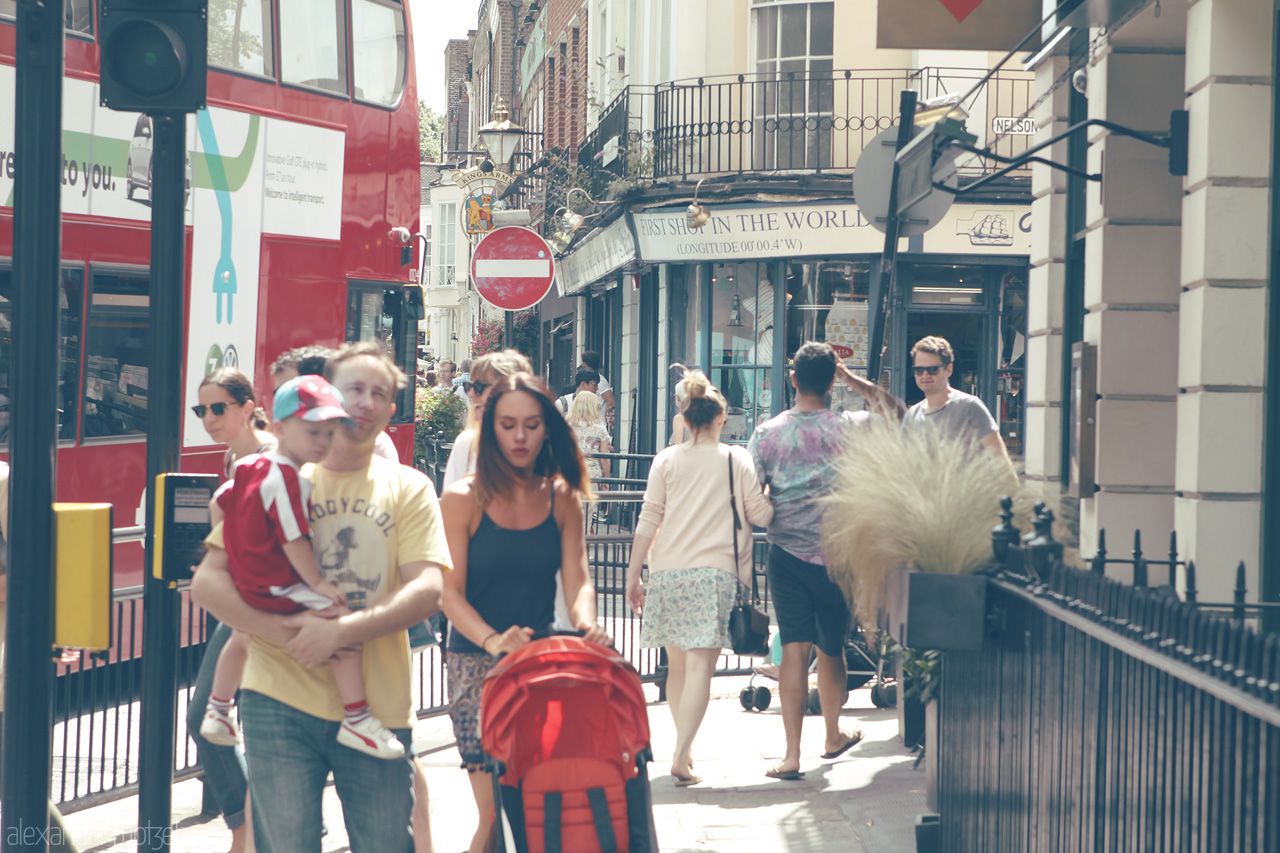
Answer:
(82, 580)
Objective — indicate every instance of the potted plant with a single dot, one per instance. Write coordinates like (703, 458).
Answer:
(909, 523)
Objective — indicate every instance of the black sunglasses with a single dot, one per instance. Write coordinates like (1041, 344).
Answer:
(932, 369)
(218, 409)
(477, 387)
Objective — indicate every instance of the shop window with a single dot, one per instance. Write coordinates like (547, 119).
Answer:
(240, 36)
(378, 51)
(1011, 360)
(117, 345)
(376, 312)
(313, 50)
(742, 336)
(684, 310)
(827, 301)
(742, 314)
(70, 305)
(953, 285)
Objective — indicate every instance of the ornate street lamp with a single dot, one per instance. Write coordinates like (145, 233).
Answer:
(501, 136)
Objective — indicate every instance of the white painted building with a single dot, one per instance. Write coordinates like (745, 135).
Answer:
(772, 103)
(451, 307)
(1165, 276)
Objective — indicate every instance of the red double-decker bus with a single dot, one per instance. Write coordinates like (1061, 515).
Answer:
(305, 160)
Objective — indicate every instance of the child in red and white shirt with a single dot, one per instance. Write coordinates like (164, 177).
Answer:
(268, 543)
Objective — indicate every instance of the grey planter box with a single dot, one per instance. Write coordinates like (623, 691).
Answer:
(934, 611)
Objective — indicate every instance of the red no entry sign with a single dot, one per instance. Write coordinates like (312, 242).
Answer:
(512, 268)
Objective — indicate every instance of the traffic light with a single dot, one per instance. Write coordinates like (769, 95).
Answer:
(154, 54)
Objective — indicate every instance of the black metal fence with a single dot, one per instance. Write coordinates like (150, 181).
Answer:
(1107, 717)
(96, 710)
(816, 120)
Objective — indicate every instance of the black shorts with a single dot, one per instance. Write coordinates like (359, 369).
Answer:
(809, 605)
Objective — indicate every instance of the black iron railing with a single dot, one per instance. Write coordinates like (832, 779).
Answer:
(791, 121)
(1103, 716)
(96, 710)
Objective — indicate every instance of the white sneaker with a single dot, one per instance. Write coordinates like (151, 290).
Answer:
(219, 729)
(370, 737)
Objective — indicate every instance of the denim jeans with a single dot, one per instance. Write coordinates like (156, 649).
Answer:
(222, 768)
(291, 755)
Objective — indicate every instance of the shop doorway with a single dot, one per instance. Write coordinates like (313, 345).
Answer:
(966, 333)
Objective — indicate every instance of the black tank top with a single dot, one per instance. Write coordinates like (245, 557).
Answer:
(511, 576)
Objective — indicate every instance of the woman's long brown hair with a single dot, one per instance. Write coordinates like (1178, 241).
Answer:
(559, 456)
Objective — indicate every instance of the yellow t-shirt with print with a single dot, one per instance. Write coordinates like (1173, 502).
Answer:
(364, 526)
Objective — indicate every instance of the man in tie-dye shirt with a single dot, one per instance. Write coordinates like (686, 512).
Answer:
(794, 453)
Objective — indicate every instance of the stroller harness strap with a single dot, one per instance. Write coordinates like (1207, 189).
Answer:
(604, 823)
(551, 829)
(552, 804)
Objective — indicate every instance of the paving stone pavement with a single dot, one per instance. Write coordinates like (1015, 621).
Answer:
(864, 802)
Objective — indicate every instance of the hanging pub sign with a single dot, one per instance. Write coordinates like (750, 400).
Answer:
(480, 190)
(956, 24)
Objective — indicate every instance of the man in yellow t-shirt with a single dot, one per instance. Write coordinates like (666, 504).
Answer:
(376, 533)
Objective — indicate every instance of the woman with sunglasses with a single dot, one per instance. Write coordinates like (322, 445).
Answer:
(511, 527)
(231, 416)
(485, 371)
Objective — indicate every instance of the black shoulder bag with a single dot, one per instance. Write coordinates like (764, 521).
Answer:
(748, 626)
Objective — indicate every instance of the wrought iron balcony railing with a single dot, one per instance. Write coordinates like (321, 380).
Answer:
(783, 122)
(818, 121)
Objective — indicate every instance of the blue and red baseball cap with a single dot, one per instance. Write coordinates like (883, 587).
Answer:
(310, 398)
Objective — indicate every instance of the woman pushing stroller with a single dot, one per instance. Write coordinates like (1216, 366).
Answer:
(511, 526)
(692, 516)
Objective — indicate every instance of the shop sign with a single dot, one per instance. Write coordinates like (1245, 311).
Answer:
(782, 231)
(480, 189)
(982, 229)
(823, 230)
(595, 257)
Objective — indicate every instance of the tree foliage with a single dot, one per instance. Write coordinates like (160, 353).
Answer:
(430, 133)
(232, 43)
(490, 333)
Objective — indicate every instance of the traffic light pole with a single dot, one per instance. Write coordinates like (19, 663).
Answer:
(33, 436)
(164, 424)
(882, 285)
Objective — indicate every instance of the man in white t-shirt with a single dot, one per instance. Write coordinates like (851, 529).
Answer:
(591, 359)
(585, 379)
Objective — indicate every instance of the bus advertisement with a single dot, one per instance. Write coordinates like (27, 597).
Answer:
(296, 173)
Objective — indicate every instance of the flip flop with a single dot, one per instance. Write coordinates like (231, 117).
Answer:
(686, 781)
(853, 739)
(785, 775)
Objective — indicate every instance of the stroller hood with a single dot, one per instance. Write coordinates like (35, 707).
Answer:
(562, 697)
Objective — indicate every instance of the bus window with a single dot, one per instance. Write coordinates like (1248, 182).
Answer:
(115, 376)
(378, 44)
(313, 49)
(79, 14)
(375, 312)
(240, 36)
(70, 305)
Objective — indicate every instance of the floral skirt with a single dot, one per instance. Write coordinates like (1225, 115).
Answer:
(464, 674)
(688, 609)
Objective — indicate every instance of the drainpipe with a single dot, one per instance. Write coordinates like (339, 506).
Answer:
(1269, 568)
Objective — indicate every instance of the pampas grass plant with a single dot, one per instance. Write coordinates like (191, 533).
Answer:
(910, 497)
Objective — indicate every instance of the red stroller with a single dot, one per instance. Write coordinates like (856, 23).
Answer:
(566, 729)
